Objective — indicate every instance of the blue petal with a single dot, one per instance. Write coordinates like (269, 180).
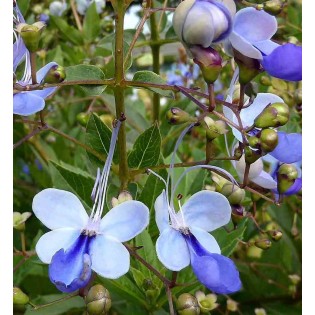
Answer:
(19, 52)
(214, 271)
(70, 269)
(285, 62)
(41, 73)
(26, 103)
(44, 93)
(289, 148)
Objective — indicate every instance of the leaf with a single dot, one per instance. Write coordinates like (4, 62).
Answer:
(91, 23)
(146, 150)
(170, 33)
(128, 62)
(151, 77)
(74, 180)
(69, 32)
(86, 72)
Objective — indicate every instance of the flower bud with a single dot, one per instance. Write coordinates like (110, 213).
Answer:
(209, 62)
(268, 140)
(251, 156)
(122, 197)
(233, 193)
(231, 305)
(276, 235)
(249, 68)
(187, 304)
(238, 214)
(83, 119)
(298, 96)
(56, 74)
(295, 279)
(264, 80)
(31, 34)
(260, 311)
(286, 175)
(274, 7)
(207, 302)
(19, 220)
(98, 300)
(274, 115)
(201, 22)
(219, 181)
(19, 297)
(177, 116)
(263, 243)
(37, 8)
(214, 128)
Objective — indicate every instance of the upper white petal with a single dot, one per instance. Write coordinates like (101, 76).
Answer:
(255, 168)
(265, 180)
(53, 241)
(59, 209)
(206, 240)
(161, 211)
(125, 221)
(207, 210)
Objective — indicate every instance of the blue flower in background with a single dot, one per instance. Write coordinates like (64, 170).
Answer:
(182, 74)
(83, 5)
(251, 34)
(184, 237)
(57, 8)
(79, 243)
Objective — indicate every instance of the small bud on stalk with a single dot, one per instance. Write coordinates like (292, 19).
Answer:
(274, 7)
(187, 304)
(233, 193)
(83, 119)
(286, 175)
(276, 235)
(207, 302)
(122, 197)
(238, 214)
(268, 140)
(231, 305)
(56, 74)
(251, 156)
(263, 243)
(19, 220)
(214, 128)
(31, 34)
(19, 297)
(98, 300)
(177, 116)
(274, 115)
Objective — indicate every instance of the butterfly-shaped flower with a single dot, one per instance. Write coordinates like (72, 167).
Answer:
(79, 244)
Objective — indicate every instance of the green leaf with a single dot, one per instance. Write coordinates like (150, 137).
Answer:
(86, 72)
(69, 32)
(146, 150)
(151, 77)
(74, 180)
(170, 33)
(229, 240)
(91, 23)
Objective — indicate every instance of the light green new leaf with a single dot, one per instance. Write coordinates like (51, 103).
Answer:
(91, 24)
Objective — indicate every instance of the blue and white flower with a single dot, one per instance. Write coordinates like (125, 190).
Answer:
(57, 8)
(83, 5)
(78, 243)
(184, 239)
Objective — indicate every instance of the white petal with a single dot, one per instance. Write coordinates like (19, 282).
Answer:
(172, 250)
(59, 209)
(125, 221)
(110, 258)
(266, 46)
(255, 168)
(254, 25)
(265, 180)
(206, 240)
(207, 210)
(249, 114)
(230, 4)
(52, 241)
(161, 211)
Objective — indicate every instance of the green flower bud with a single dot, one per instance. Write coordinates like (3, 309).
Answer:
(209, 62)
(122, 197)
(56, 74)
(274, 7)
(19, 220)
(276, 235)
(264, 80)
(287, 174)
(251, 156)
(187, 304)
(207, 302)
(248, 68)
(263, 243)
(37, 9)
(98, 300)
(254, 142)
(231, 305)
(274, 115)
(83, 119)
(219, 181)
(298, 96)
(295, 279)
(214, 128)
(238, 214)
(177, 116)
(233, 193)
(268, 140)
(19, 297)
(31, 34)
(260, 311)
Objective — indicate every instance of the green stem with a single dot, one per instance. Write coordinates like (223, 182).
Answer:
(156, 62)
(119, 91)
(37, 307)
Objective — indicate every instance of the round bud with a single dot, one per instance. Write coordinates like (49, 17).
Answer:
(274, 115)
(260, 311)
(83, 119)
(264, 80)
(98, 300)
(276, 235)
(177, 116)
(238, 214)
(214, 128)
(56, 74)
(298, 96)
(286, 175)
(274, 7)
(231, 305)
(31, 34)
(251, 156)
(19, 297)
(187, 304)
(268, 140)
(254, 142)
(207, 302)
(233, 193)
(263, 243)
